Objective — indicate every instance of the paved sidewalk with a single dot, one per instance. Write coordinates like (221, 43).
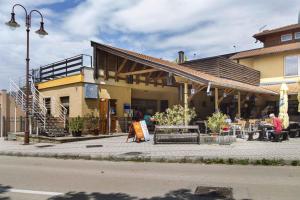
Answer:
(117, 147)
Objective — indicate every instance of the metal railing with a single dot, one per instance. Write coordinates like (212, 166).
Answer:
(37, 107)
(62, 68)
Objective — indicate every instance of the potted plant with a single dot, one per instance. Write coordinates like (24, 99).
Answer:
(76, 126)
(216, 122)
(92, 124)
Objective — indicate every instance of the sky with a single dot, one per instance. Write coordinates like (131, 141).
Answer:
(158, 28)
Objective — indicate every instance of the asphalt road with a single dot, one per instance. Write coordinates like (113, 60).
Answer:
(53, 179)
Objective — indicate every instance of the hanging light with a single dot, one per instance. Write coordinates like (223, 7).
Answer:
(12, 23)
(193, 91)
(41, 32)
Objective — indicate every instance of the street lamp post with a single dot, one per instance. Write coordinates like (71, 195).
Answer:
(13, 24)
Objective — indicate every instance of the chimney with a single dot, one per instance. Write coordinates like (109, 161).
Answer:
(180, 57)
(299, 17)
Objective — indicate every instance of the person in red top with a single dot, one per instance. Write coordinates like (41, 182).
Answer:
(277, 124)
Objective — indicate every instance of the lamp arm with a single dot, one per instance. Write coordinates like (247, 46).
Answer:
(27, 20)
(32, 11)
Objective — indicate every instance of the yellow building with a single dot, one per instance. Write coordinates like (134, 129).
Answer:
(121, 82)
(278, 61)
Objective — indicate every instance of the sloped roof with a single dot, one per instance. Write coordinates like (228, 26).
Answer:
(193, 75)
(267, 50)
(276, 30)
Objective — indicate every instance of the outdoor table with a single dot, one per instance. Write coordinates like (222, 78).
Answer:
(263, 130)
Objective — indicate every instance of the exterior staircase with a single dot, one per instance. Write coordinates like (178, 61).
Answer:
(41, 122)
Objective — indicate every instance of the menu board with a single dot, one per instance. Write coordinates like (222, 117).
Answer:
(141, 131)
(139, 135)
(145, 130)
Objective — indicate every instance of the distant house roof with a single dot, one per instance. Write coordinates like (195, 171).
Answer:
(193, 75)
(267, 50)
(277, 30)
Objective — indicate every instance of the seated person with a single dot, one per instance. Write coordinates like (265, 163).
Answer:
(148, 119)
(277, 124)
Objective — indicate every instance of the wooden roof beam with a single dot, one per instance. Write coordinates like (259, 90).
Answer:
(144, 71)
(122, 66)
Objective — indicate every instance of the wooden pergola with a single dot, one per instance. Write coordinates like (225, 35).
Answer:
(119, 64)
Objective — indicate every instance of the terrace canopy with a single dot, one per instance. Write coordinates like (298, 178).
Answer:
(153, 70)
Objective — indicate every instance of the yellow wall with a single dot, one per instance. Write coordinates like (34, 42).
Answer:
(271, 66)
(61, 81)
(75, 93)
(124, 92)
(121, 94)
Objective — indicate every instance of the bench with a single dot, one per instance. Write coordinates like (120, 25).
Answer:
(176, 134)
(294, 132)
(283, 135)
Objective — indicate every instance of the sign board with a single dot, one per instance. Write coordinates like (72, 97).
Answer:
(145, 130)
(139, 130)
(90, 91)
(139, 134)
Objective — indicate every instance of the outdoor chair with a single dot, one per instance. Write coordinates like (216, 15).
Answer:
(248, 130)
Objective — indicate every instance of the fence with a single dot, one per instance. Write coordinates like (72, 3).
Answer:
(11, 124)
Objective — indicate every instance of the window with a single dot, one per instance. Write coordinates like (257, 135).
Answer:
(65, 101)
(286, 37)
(297, 35)
(291, 65)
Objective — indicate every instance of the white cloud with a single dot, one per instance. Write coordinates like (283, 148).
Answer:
(158, 27)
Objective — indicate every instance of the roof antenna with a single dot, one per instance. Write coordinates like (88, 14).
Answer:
(261, 28)
(234, 46)
(299, 17)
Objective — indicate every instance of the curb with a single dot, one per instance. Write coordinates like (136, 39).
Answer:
(139, 158)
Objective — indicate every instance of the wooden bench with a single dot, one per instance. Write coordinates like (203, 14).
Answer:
(176, 134)
(294, 132)
(283, 135)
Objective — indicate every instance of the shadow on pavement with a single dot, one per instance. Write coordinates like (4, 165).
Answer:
(4, 189)
(181, 194)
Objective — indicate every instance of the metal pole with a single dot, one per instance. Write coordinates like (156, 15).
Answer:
(185, 103)
(15, 118)
(1, 122)
(26, 135)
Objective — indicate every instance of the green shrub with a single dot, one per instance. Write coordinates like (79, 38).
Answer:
(216, 122)
(76, 124)
(174, 116)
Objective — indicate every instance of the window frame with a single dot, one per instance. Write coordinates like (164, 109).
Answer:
(297, 35)
(298, 62)
(289, 34)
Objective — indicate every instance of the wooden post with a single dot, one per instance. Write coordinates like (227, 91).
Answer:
(216, 100)
(239, 105)
(185, 103)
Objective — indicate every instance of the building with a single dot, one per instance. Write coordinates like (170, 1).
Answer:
(278, 61)
(115, 82)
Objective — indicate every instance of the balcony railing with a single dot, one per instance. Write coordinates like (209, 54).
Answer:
(62, 68)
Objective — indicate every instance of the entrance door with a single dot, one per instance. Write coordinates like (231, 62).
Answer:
(103, 115)
(48, 105)
(164, 104)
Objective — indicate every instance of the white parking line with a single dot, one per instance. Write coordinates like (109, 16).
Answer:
(34, 192)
